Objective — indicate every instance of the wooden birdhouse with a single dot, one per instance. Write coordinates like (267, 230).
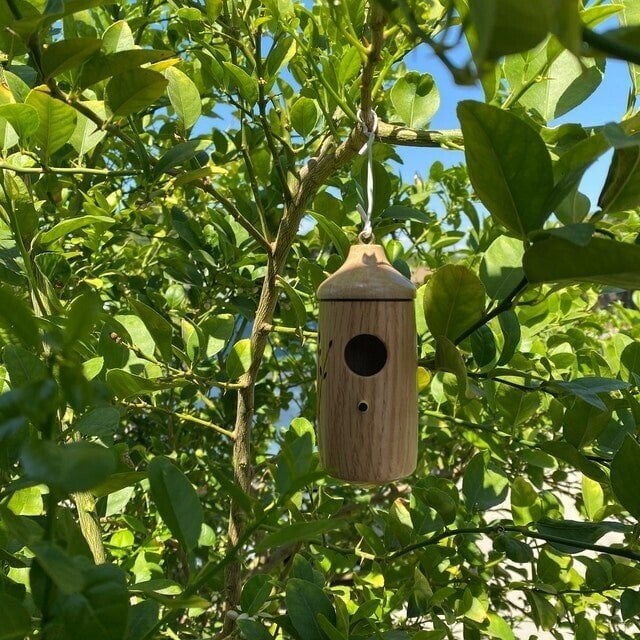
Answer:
(367, 362)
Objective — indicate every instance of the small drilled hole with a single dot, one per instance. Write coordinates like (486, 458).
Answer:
(365, 354)
(363, 406)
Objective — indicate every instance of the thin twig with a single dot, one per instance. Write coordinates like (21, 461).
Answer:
(237, 215)
(182, 416)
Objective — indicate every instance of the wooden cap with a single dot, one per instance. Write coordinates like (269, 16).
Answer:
(366, 275)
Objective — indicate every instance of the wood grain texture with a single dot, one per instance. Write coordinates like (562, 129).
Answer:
(380, 444)
(366, 274)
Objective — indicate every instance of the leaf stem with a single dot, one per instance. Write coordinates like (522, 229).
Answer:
(505, 305)
(501, 528)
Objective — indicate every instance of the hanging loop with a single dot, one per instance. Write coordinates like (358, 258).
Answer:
(366, 235)
(366, 238)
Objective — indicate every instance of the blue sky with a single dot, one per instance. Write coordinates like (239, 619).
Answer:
(607, 104)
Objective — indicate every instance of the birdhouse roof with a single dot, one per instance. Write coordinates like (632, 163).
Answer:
(366, 275)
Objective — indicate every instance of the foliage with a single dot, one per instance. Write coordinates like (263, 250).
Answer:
(176, 180)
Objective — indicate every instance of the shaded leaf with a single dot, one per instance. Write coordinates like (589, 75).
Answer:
(177, 501)
(305, 601)
(601, 261)
(77, 466)
(625, 476)
(133, 90)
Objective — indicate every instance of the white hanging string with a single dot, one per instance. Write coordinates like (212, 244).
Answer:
(367, 232)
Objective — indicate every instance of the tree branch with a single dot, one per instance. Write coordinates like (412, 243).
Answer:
(610, 46)
(505, 305)
(499, 529)
(183, 416)
(328, 160)
(237, 215)
(404, 136)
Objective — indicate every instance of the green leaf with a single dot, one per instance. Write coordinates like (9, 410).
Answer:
(297, 532)
(86, 135)
(159, 328)
(124, 384)
(498, 627)
(82, 315)
(60, 56)
(184, 97)
(625, 476)
(483, 346)
(92, 367)
(442, 502)
(57, 120)
(577, 531)
(397, 212)
(510, 326)
(593, 498)
(630, 604)
(483, 485)
(26, 502)
(515, 550)
(16, 621)
(54, 10)
(454, 300)
(217, 331)
(177, 501)
(253, 630)
(143, 617)
(177, 155)
(583, 423)
(118, 37)
(567, 82)
(508, 26)
(630, 363)
(101, 610)
(621, 189)
(501, 267)
(525, 504)
(255, 593)
(22, 117)
(304, 116)
(101, 67)
(66, 468)
(72, 224)
(601, 261)
(335, 233)
(568, 453)
(102, 422)
(244, 84)
(543, 612)
(296, 301)
(22, 366)
(588, 388)
(449, 359)
(415, 99)
(17, 319)
(305, 601)
(58, 566)
(134, 90)
(239, 359)
(509, 166)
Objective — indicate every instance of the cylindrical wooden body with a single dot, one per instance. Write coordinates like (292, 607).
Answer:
(367, 353)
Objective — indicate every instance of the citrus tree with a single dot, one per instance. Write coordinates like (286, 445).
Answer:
(176, 180)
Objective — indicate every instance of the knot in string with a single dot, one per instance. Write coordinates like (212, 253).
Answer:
(366, 235)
